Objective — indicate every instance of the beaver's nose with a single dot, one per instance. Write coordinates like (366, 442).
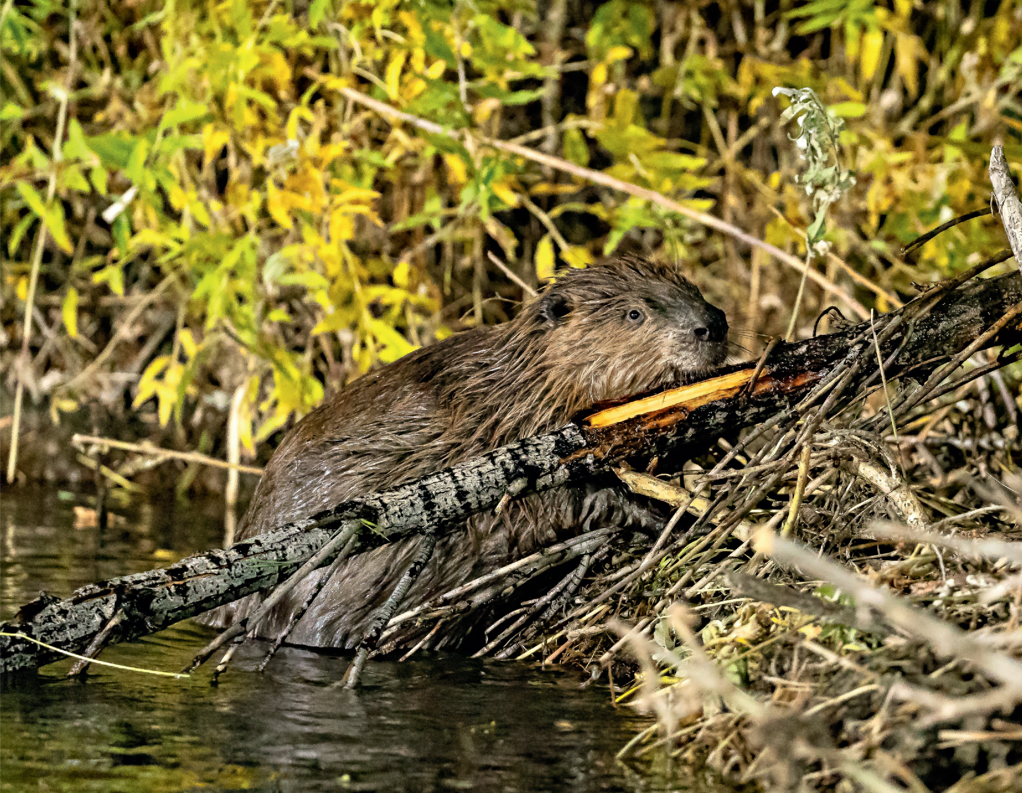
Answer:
(715, 328)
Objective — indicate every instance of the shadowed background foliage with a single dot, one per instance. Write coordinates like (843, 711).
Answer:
(227, 237)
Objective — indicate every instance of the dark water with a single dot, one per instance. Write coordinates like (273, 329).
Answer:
(438, 722)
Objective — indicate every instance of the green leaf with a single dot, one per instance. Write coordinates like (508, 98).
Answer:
(121, 231)
(185, 111)
(72, 177)
(32, 198)
(98, 178)
(76, 148)
(11, 112)
(317, 11)
(114, 150)
(136, 162)
(847, 109)
(19, 231)
(113, 276)
(310, 279)
(575, 148)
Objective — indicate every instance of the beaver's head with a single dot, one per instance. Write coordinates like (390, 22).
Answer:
(627, 325)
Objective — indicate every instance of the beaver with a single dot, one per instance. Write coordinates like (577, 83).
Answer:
(603, 332)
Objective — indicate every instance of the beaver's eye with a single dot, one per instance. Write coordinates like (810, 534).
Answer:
(635, 315)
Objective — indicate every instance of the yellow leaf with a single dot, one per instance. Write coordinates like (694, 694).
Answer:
(485, 109)
(599, 75)
(457, 172)
(280, 69)
(625, 104)
(341, 226)
(351, 195)
(436, 70)
(69, 311)
(166, 398)
(58, 406)
(401, 274)
(22, 288)
(276, 206)
(414, 88)
(504, 193)
(465, 49)
(188, 342)
(419, 60)
(577, 256)
(872, 42)
(545, 258)
(147, 384)
(177, 197)
(245, 429)
(618, 53)
(213, 140)
(336, 83)
(853, 37)
(291, 130)
(905, 54)
(392, 77)
(198, 210)
(55, 224)
(329, 152)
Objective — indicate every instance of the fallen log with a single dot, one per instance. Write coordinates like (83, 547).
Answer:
(944, 323)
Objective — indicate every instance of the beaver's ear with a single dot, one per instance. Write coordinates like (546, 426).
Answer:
(554, 307)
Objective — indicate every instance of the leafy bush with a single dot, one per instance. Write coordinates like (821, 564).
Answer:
(224, 227)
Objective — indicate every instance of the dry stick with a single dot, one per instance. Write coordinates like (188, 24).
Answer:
(37, 256)
(685, 502)
(720, 568)
(727, 525)
(148, 448)
(234, 459)
(934, 380)
(897, 491)
(598, 177)
(510, 274)
(945, 639)
(382, 616)
(501, 587)
(979, 549)
(800, 487)
(1007, 201)
(499, 574)
(929, 235)
(566, 584)
(917, 308)
(979, 371)
(96, 645)
(345, 532)
(299, 612)
(550, 101)
(122, 332)
(548, 223)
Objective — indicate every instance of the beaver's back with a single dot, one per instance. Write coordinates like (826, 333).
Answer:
(383, 430)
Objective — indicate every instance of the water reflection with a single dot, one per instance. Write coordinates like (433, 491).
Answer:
(433, 723)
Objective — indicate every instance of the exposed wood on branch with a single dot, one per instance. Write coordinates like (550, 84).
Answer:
(1008, 204)
(927, 332)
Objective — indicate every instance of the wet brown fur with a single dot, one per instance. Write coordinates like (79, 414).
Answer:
(578, 343)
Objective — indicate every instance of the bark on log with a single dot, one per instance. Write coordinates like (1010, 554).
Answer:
(677, 419)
